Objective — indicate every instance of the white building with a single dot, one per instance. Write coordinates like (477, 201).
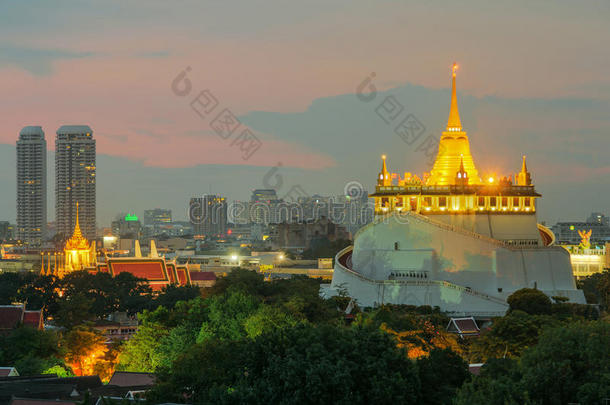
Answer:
(453, 238)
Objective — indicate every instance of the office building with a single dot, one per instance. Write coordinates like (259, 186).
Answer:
(31, 186)
(75, 179)
(157, 216)
(208, 214)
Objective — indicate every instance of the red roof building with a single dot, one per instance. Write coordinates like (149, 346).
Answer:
(12, 316)
(465, 327)
(203, 278)
(8, 372)
(184, 277)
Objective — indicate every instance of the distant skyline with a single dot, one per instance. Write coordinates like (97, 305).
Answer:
(533, 80)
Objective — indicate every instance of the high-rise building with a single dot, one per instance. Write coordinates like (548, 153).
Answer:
(208, 214)
(157, 216)
(266, 208)
(31, 185)
(75, 179)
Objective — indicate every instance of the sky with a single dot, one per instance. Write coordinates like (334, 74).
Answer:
(533, 80)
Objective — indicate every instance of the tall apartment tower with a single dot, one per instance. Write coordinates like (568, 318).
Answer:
(31, 186)
(208, 214)
(75, 179)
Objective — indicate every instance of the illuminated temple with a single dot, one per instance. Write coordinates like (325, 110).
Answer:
(78, 254)
(456, 237)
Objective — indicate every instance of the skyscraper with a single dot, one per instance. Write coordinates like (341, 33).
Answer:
(31, 185)
(75, 179)
(208, 214)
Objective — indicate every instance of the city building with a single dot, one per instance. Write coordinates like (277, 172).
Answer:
(455, 238)
(588, 261)
(302, 235)
(266, 208)
(208, 214)
(126, 226)
(75, 179)
(31, 186)
(568, 233)
(157, 216)
(6, 231)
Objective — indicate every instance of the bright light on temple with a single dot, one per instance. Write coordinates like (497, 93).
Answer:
(454, 185)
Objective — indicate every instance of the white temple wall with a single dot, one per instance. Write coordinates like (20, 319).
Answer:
(405, 247)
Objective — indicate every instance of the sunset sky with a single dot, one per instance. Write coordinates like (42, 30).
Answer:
(534, 79)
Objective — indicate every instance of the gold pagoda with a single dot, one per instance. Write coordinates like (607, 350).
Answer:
(454, 186)
(78, 254)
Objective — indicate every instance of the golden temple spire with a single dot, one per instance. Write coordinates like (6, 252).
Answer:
(524, 178)
(454, 123)
(453, 149)
(384, 176)
(77, 233)
(462, 164)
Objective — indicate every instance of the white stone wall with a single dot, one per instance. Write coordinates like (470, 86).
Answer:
(411, 245)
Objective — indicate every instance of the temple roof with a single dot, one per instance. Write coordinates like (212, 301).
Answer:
(453, 149)
(77, 241)
(454, 114)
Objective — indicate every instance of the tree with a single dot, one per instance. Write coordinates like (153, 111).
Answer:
(30, 350)
(74, 310)
(497, 384)
(226, 316)
(142, 352)
(509, 336)
(530, 300)
(9, 286)
(305, 364)
(597, 288)
(571, 363)
(441, 374)
(84, 349)
(172, 294)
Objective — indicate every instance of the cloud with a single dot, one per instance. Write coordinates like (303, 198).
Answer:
(38, 62)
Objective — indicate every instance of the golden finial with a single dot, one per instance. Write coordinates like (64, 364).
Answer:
(454, 123)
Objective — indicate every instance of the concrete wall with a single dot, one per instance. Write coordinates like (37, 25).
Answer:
(410, 245)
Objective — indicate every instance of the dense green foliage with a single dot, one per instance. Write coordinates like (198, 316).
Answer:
(31, 351)
(570, 364)
(247, 340)
(597, 289)
(81, 297)
(530, 300)
(305, 364)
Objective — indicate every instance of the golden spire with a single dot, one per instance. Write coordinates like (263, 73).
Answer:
(462, 164)
(77, 233)
(384, 176)
(524, 178)
(454, 123)
(453, 149)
